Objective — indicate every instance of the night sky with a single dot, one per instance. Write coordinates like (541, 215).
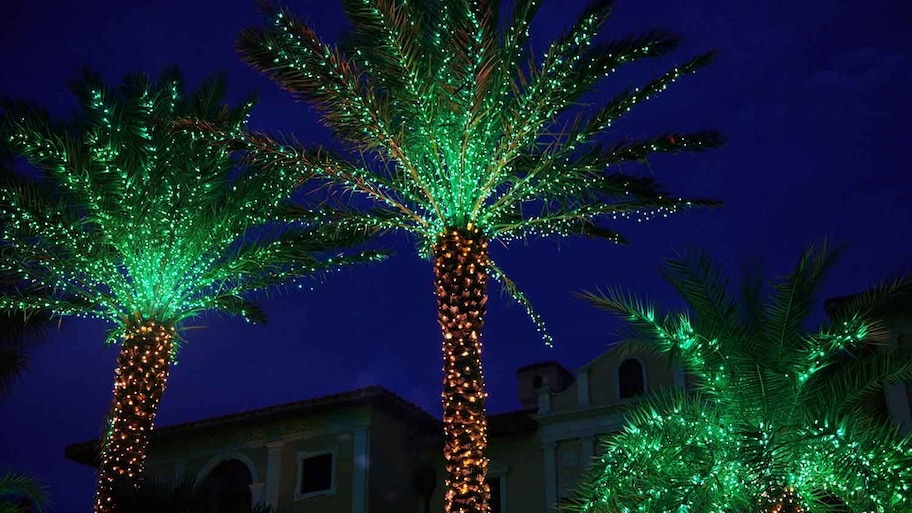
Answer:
(811, 95)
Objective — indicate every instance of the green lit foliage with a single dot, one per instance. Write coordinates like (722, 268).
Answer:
(451, 122)
(776, 414)
(20, 494)
(134, 221)
(19, 329)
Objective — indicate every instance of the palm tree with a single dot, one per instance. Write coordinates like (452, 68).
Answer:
(777, 420)
(145, 228)
(467, 138)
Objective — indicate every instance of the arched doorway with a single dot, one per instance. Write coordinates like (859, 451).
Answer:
(227, 487)
(631, 379)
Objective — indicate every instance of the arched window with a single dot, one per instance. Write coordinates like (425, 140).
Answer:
(227, 487)
(631, 379)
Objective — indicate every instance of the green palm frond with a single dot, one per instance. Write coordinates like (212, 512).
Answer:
(790, 306)
(774, 407)
(450, 120)
(704, 288)
(672, 335)
(852, 380)
(886, 298)
(19, 330)
(15, 486)
(509, 287)
(136, 220)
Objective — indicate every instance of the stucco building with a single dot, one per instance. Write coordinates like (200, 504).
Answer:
(370, 451)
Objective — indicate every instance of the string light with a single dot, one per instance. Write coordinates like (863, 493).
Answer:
(139, 382)
(460, 265)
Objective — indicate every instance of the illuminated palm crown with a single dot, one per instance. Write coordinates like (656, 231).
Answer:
(461, 127)
(777, 420)
(137, 222)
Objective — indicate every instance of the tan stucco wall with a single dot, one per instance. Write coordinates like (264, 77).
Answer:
(198, 451)
(569, 462)
(603, 381)
(566, 400)
(391, 467)
(524, 478)
(340, 499)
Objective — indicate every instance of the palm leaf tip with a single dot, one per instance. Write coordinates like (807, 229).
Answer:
(14, 485)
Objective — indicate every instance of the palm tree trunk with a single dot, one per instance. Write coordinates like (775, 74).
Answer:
(460, 267)
(139, 381)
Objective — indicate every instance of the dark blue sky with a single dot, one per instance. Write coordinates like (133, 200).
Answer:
(812, 96)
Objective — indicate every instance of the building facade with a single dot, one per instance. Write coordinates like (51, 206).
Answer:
(370, 451)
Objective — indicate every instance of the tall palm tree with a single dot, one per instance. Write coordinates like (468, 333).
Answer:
(145, 228)
(467, 138)
(777, 420)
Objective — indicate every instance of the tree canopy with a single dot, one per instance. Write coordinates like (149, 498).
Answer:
(133, 220)
(776, 419)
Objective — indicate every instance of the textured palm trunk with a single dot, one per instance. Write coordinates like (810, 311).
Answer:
(139, 381)
(460, 267)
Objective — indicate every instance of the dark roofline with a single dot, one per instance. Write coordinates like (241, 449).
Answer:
(541, 364)
(517, 422)
(901, 305)
(87, 452)
(500, 425)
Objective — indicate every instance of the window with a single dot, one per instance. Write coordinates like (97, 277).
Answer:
(316, 474)
(494, 484)
(536, 382)
(631, 381)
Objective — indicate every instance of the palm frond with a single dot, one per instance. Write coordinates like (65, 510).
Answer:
(14, 485)
(701, 283)
(776, 411)
(143, 218)
(513, 292)
(790, 307)
(454, 122)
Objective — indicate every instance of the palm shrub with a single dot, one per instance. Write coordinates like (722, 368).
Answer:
(454, 131)
(776, 419)
(144, 227)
